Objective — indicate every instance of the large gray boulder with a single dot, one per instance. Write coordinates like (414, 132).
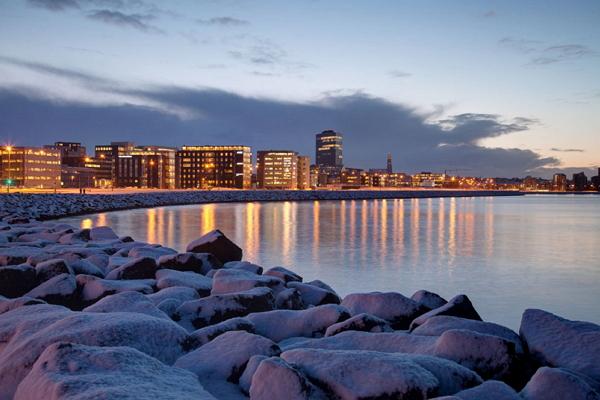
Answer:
(196, 262)
(61, 289)
(217, 244)
(458, 306)
(395, 308)
(137, 268)
(127, 302)
(558, 384)
(228, 280)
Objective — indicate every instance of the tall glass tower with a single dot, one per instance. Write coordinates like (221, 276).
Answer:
(329, 149)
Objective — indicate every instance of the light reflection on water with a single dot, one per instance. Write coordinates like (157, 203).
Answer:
(506, 253)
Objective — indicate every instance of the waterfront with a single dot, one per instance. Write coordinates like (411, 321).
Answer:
(506, 253)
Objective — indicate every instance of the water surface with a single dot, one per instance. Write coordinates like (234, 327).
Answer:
(506, 253)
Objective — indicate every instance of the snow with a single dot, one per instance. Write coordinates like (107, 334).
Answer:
(428, 299)
(314, 295)
(559, 342)
(244, 265)
(195, 262)
(236, 280)
(217, 244)
(289, 299)
(558, 384)
(127, 302)
(166, 278)
(138, 268)
(150, 251)
(86, 267)
(60, 289)
(246, 378)
(458, 306)
(284, 274)
(74, 371)
(361, 322)
(51, 268)
(282, 324)
(11, 304)
(94, 288)
(102, 233)
(179, 293)
(397, 309)
(204, 335)
(488, 390)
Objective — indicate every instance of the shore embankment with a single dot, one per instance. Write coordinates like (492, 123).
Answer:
(44, 206)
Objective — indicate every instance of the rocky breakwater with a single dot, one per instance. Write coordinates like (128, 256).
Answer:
(86, 314)
(49, 206)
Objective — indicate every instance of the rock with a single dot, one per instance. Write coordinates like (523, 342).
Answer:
(282, 324)
(85, 267)
(237, 280)
(276, 379)
(210, 310)
(169, 307)
(284, 274)
(217, 244)
(74, 371)
(244, 265)
(196, 262)
(166, 278)
(558, 384)
(321, 284)
(204, 335)
(156, 337)
(289, 299)
(127, 302)
(488, 390)
(458, 306)
(314, 295)
(102, 233)
(139, 268)
(225, 357)
(373, 375)
(361, 322)
(17, 255)
(10, 304)
(154, 252)
(51, 268)
(94, 288)
(435, 326)
(16, 280)
(395, 308)
(61, 289)
(559, 342)
(179, 293)
(246, 378)
(428, 299)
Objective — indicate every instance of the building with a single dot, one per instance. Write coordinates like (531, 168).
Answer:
(595, 181)
(579, 182)
(109, 154)
(102, 168)
(559, 183)
(329, 157)
(30, 167)
(304, 182)
(428, 179)
(146, 167)
(201, 167)
(277, 169)
(72, 154)
(390, 168)
(351, 178)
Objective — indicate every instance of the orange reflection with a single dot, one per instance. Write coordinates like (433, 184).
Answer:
(316, 235)
(151, 231)
(101, 220)
(384, 224)
(414, 227)
(207, 218)
(452, 231)
(86, 223)
(252, 228)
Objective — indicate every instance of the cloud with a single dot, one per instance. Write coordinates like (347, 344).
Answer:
(54, 5)
(135, 21)
(566, 52)
(223, 21)
(399, 74)
(519, 44)
(556, 149)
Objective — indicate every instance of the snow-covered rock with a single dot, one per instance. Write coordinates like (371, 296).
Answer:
(61, 289)
(86, 267)
(246, 378)
(488, 390)
(154, 252)
(179, 293)
(276, 379)
(458, 306)
(7, 304)
(558, 384)
(94, 288)
(210, 310)
(16, 280)
(137, 268)
(278, 325)
(395, 308)
(361, 322)
(559, 342)
(289, 299)
(166, 278)
(284, 274)
(313, 295)
(228, 280)
(74, 371)
(217, 244)
(204, 335)
(244, 265)
(428, 299)
(51, 268)
(195, 262)
(127, 302)
(17, 255)
(102, 233)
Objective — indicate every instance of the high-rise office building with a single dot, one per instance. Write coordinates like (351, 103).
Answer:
(329, 149)
(559, 183)
(30, 167)
(580, 182)
(107, 155)
(389, 168)
(277, 169)
(201, 167)
(146, 167)
(304, 172)
(595, 180)
(72, 154)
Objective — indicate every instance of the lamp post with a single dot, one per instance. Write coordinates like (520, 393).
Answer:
(9, 180)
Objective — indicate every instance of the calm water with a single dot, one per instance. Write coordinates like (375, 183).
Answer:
(506, 253)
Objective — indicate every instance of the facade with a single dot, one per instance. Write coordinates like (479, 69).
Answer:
(329, 149)
(428, 179)
(352, 177)
(146, 167)
(30, 167)
(277, 169)
(595, 180)
(579, 182)
(202, 167)
(304, 182)
(72, 154)
(559, 183)
(109, 153)
(389, 168)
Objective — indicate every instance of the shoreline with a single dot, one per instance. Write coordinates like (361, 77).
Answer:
(50, 206)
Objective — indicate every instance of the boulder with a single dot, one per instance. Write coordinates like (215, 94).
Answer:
(458, 306)
(75, 371)
(7, 304)
(204, 335)
(314, 295)
(395, 308)
(428, 299)
(284, 274)
(289, 299)
(276, 379)
(196, 262)
(278, 325)
(321, 284)
(94, 288)
(237, 280)
(244, 265)
(51, 268)
(217, 244)
(102, 233)
(138, 268)
(16, 280)
(154, 252)
(17, 255)
(558, 384)
(251, 367)
(210, 310)
(127, 302)
(166, 278)
(61, 289)
(86, 267)
(488, 390)
(361, 322)
(169, 307)
(179, 293)
(559, 342)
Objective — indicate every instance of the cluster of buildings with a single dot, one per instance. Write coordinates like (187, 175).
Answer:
(560, 183)
(126, 165)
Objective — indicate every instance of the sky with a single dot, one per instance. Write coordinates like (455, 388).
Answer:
(481, 88)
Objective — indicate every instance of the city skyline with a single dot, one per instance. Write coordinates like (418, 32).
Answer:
(221, 73)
